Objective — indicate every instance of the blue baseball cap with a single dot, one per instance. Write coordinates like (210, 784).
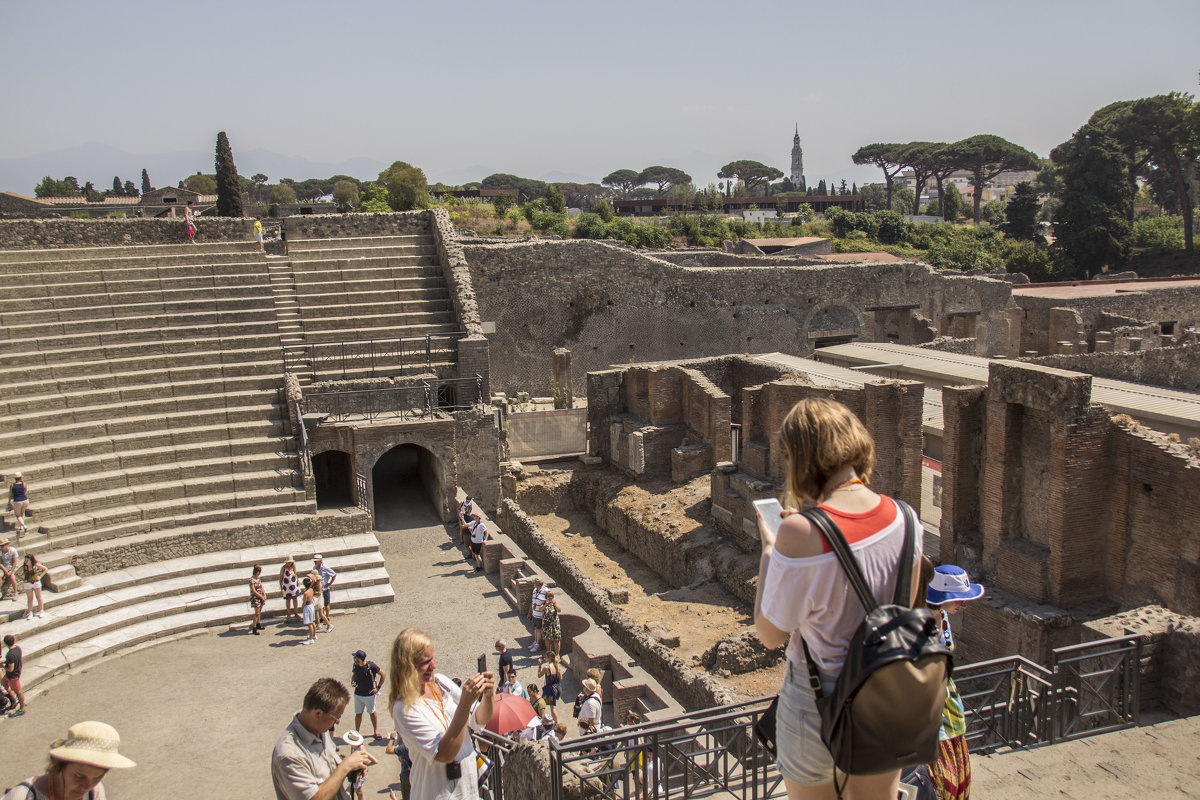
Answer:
(951, 584)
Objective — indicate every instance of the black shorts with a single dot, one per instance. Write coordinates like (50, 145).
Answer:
(476, 547)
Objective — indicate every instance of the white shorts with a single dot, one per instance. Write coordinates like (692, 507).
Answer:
(309, 615)
(803, 757)
(258, 237)
(29, 587)
(364, 704)
(318, 601)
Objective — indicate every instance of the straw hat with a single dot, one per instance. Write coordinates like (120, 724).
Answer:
(590, 685)
(92, 743)
(352, 738)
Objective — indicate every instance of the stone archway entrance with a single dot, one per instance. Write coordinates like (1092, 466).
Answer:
(333, 475)
(405, 475)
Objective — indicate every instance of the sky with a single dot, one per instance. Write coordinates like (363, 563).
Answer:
(580, 88)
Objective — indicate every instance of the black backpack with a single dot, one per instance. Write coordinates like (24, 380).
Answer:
(886, 710)
(579, 701)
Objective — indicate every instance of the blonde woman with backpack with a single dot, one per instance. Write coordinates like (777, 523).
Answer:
(804, 593)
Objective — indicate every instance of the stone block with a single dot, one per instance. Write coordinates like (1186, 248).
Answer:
(1046, 389)
(618, 596)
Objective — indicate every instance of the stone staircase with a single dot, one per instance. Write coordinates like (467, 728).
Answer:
(114, 611)
(368, 291)
(142, 390)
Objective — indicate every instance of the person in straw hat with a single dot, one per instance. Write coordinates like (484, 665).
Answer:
(77, 765)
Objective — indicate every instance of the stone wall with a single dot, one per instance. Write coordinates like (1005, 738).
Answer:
(610, 305)
(477, 452)
(21, 234)
(1152, 305)
(1172, 367)
(167, 544)
(693, 689)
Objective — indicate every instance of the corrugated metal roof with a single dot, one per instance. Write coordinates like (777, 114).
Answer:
(1163, 409)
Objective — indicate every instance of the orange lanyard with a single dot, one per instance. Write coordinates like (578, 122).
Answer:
(443, 717)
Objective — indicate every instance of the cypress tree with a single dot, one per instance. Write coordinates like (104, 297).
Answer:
(229, 188)
(117, 188)
(146, 187)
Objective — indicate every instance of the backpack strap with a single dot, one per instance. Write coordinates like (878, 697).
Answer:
(904, 579)
(841, 548)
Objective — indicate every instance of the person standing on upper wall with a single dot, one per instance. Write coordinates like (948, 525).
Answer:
(189, 219)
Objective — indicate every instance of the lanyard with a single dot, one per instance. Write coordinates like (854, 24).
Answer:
(443, 717)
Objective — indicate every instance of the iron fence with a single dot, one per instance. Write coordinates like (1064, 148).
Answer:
(1097, 687)
(1003, 702)
(367, 358)
(415, 401)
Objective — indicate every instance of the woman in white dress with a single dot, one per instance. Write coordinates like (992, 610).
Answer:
(432, 715)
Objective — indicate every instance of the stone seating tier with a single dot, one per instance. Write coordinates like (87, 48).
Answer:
(116, 610)
(201, 252)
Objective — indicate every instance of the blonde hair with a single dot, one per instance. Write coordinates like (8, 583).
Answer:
(404, 684)
(820, 437)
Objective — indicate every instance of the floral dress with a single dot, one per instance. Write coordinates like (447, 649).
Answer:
(256, 594)
(551, 626)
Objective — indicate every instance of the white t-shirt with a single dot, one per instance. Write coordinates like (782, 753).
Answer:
(478, 532)
(421, 727)
(591, 709)
(538, 601)
(812, 598)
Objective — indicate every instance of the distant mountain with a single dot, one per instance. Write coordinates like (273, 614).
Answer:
(98, 163)
(558, 176)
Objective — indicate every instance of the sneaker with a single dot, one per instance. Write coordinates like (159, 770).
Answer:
(28, 615)
(479, 569)
(328, 628)
(39, 615)
(533, 647)
(17, 713)
(309, 641)
(254, 631)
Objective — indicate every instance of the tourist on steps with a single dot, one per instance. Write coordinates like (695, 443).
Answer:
(189, 218)
(308, 614)
(328, 576)
(289, 585)
(18, 501)
(258, 598)
(803, 592)
(31, 576)
(77, 765)
(8, 570)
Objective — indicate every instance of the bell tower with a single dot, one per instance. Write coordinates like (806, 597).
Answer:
(797, 162)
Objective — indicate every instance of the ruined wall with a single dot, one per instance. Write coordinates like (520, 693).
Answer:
(612, 306)
(21, 234)
(1154, 305)
(1172, 367)
(1046, 499)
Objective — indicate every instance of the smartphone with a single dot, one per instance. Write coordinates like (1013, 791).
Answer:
(770, 509)
(482, 663)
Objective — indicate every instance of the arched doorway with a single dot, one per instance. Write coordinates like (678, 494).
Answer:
(405, 476)
(333, 474)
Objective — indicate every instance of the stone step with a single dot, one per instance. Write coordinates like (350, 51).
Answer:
(124, 387)
(262, 330)
(78, 484)
(133, 279)
(169, 405)
(387, 313)
(118, 621)
(168, 522)
(209, 347)
(334, 329)
(394, 254)
(120, 521)
(59, 509)
(198, 252)
(400, 298)
(132, 293)
(175, 576)
(228, 320)
(68, 469)
(153, 438)
(186, 367)
(399, 277)
(306, 245)
(106, 309)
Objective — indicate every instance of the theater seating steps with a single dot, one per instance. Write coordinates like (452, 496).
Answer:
(117, 610)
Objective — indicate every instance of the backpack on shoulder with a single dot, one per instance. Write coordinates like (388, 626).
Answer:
(580, 699)
(886, 709)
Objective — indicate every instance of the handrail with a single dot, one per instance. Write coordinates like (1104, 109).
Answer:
(414, 401)
(372, 358)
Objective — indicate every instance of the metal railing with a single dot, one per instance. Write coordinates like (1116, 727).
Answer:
(704, 752)
(416, 401)
(366, 358)
(1012, 702)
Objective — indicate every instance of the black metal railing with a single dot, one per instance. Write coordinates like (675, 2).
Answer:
(1012, 702)
(415, 401)
(366, 358)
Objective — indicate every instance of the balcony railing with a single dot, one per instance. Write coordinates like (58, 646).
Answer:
(367, 358)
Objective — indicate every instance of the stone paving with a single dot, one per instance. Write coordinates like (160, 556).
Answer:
(201, 714)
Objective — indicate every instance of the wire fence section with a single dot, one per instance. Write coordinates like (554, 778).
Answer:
(416, 401)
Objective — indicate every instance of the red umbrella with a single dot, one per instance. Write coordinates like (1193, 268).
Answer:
(512, 712)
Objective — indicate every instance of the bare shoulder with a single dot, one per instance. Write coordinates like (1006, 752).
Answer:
(798, 538)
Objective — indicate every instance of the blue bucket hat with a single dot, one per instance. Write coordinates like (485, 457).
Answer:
(951, 584)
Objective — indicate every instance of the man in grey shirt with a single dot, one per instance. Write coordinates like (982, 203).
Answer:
(305, 764)
(8, 563)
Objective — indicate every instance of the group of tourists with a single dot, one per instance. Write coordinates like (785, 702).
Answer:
(306, 599)
(29, 574)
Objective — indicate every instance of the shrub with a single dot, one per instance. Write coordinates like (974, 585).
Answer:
(590, 226)
(891, 228)
(1039, 262)
(1158, 233)
(604, 210)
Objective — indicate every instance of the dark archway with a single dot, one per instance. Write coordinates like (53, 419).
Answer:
(333, 474)
(404, 476)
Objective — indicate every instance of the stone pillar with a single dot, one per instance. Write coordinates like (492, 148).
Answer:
(1065, 326)
(474, 358)
(1014, 319)
(560, 371)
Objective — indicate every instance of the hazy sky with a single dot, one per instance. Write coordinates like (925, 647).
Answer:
(578, 87)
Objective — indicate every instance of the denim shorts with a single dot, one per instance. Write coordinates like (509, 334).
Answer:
(802, 757)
